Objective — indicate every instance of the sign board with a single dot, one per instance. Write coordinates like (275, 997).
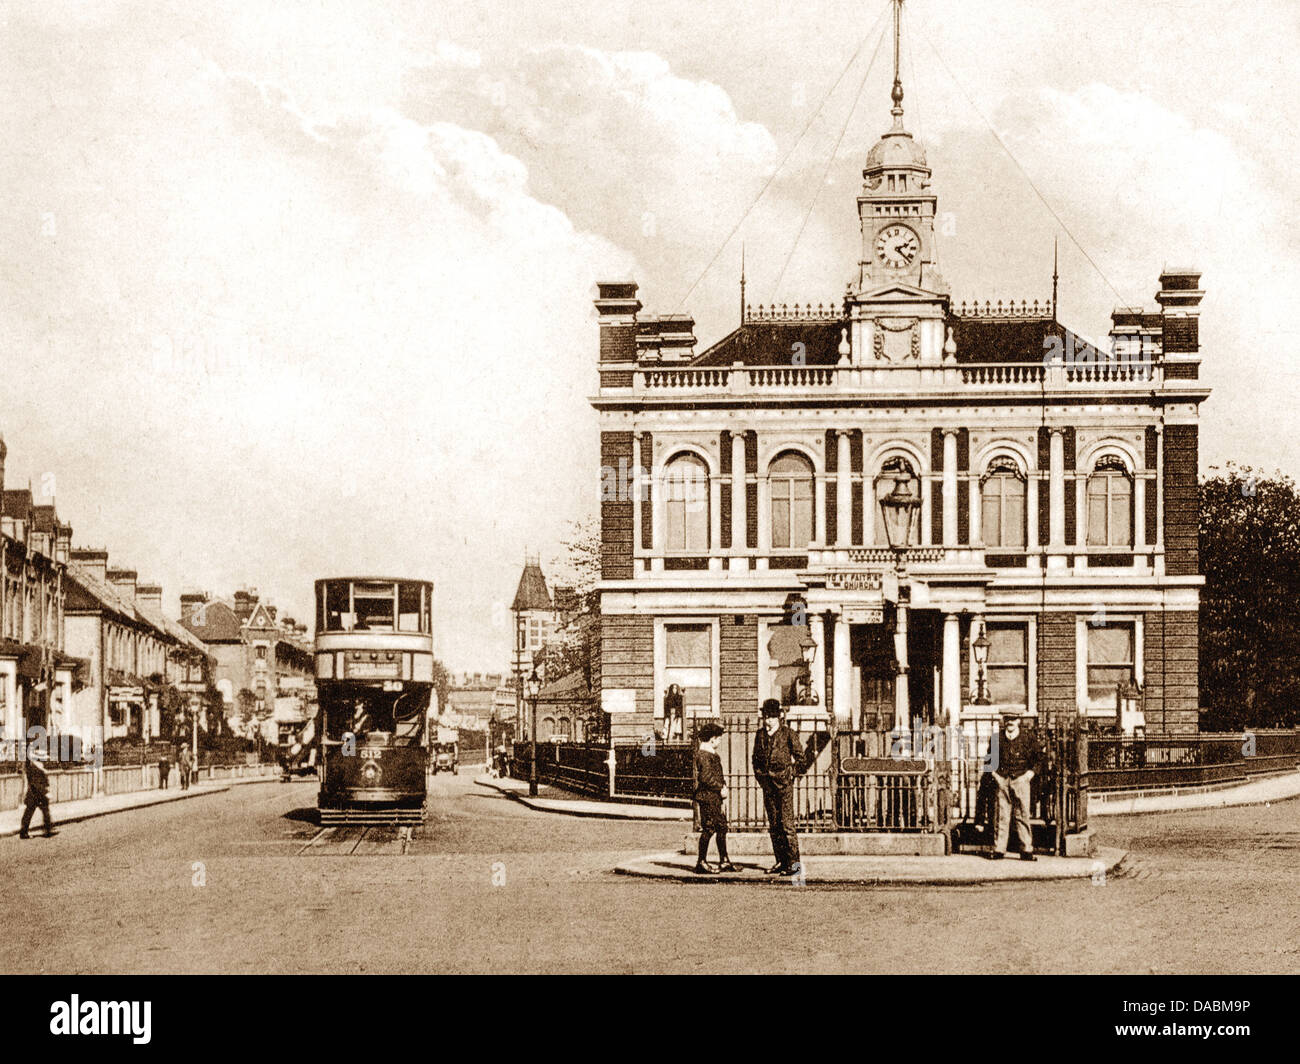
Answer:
(618, 700)
(870, 615)
(882, 766)
(855, 580)
(372, 670)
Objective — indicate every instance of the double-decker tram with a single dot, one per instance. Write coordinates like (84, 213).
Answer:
(374, 678)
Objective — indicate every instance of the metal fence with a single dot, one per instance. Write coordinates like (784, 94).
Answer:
(1125, 763)
(77, 784)
(641, 770)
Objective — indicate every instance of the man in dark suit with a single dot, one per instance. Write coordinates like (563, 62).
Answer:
(1018, 758)
(38, 793)
(778, 760)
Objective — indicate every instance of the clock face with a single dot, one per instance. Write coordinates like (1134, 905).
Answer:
(897, 246)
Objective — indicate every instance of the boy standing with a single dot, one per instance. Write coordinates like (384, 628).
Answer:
(710, 793)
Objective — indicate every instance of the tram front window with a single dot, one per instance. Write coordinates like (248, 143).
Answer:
(408, 607)
(372, 605)
(373, 715)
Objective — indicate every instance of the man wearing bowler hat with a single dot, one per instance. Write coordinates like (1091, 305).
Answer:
(778, 758)
(1016, 760)
(38, 793)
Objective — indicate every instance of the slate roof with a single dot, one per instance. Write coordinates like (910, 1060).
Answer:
(220, 624)
(772, 343)
(531, 593)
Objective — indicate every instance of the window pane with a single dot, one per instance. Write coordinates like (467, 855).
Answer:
(1007, 644)
(992, 506)
(1096, 515)
(1102, 682)
(792, 464)
(689, 646)
(408, 607)
(1120, 508)
(803, 522)
(780, 522)
(1007, 684)
(1111, 645)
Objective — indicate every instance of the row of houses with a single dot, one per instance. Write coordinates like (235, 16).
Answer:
(87, 649)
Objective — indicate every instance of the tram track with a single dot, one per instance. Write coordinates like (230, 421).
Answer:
(359, 841)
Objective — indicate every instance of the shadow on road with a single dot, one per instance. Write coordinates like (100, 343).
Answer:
(309, 815)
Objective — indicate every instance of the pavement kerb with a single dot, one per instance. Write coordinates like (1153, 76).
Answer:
(890, 871)
(585, 808)
(197, 791)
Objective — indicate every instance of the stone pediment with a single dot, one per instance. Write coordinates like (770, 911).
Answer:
(897, 292)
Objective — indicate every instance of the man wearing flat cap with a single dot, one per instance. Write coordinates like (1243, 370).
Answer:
(1013, 764)
(778, 759)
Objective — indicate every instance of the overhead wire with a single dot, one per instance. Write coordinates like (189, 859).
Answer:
(1023, 172)
(786, 158)
(817, 191)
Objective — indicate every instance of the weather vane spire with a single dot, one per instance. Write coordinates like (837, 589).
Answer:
(897, 94)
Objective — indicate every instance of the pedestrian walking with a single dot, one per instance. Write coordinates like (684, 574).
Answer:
(778, 760)
(710, 796)
(164, 770)
(1018, 759)
(186, 765)
(38, 794)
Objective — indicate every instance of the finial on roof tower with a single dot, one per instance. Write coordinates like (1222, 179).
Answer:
(897, 94)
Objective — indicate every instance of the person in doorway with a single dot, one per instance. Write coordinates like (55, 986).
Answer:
(778, 760)
(1018, 759)
(38, 794)
(710, 796)
(164, 770)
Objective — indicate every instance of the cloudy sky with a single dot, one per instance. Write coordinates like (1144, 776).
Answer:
(304, 288)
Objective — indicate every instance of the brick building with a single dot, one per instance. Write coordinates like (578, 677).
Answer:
(741, 486)
(258, 652)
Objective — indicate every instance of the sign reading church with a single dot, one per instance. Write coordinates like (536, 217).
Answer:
(1052, 565)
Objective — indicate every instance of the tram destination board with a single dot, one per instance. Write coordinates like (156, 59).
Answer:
(372, 670)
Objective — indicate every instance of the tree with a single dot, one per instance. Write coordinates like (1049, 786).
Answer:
(251, 717)
(441, 684)
(1250, 605)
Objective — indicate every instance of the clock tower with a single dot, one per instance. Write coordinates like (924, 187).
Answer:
(898, 289)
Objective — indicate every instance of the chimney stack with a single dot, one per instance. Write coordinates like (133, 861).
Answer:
(124, 580)
(150, 595)
(93, 560)
(1180, 298)
(190, 600)
(244, 601)
(617, 306)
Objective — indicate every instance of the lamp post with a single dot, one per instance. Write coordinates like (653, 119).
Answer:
(901, 508)
(808, 651)
(980, 648)
(534, 690)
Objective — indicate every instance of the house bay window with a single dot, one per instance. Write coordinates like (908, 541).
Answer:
(1110, 663)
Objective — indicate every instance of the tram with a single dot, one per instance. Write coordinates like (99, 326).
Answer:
(374, 678)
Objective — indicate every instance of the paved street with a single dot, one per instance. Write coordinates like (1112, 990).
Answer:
(1207, 891)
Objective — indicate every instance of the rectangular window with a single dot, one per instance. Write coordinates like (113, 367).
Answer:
(1110, 662)
(1008, 664)
(261, 653)
(408, 607)
(688, 650)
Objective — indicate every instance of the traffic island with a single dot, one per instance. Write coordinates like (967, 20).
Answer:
(871, 871)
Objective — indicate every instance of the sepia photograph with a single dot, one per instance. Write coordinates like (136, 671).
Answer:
(522, 488)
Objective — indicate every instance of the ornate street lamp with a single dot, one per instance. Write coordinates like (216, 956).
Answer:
(980, 648)
(901, 509)
(533, 689)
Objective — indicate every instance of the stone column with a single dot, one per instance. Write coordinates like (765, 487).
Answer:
(634, 485)
(738, 499)
(951, 680)
(843, 673)
(1056, 492)
(949, 487)
(819, 510)
(902, 707)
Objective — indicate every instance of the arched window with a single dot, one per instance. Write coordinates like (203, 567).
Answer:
(1003, 492)
(891, 472)
(546, 730)
(686, 504)
(791, 480)
(1110, 505)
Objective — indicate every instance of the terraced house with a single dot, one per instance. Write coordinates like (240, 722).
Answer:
(896, 507)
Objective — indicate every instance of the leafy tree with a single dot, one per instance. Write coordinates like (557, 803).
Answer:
(441, 684)
(1250, 607)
